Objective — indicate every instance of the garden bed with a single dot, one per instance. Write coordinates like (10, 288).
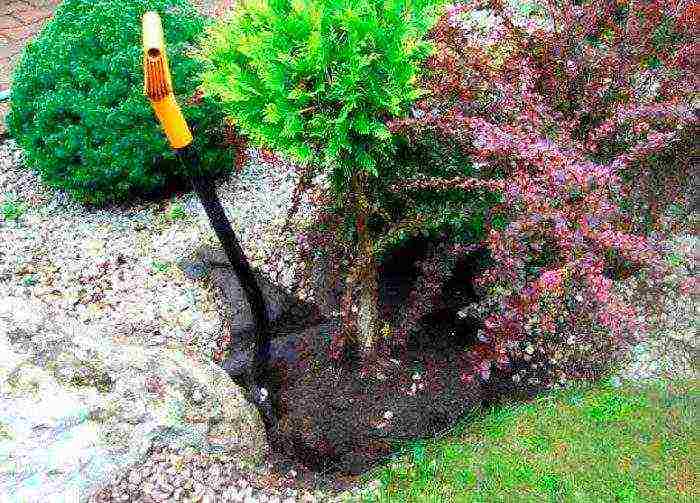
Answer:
(135, 271)
(572, 197)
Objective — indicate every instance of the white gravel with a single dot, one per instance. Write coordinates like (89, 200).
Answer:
(123, 268)
(672, 346)
(121, 265)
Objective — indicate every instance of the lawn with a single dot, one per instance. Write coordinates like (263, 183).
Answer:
(599, 443)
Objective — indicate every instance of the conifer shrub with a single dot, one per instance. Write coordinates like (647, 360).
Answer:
(316, 81)
(78, 108)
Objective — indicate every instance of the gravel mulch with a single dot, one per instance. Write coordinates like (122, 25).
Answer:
(185, 476)
(129, 269)
(671, 348)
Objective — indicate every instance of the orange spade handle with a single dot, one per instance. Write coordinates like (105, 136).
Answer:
(158, 84)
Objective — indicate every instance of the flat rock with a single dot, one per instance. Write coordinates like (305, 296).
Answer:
(78, 407)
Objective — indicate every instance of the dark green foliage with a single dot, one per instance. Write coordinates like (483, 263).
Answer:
(456, 213)
(317, 79)
(78, 108)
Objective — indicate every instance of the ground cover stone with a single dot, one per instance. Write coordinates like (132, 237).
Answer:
(77, 406)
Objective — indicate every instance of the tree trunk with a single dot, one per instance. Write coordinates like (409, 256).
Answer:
(367, 320)
(366, 275)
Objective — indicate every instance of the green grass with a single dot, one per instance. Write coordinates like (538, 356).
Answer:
(589, 444)
(12, 209)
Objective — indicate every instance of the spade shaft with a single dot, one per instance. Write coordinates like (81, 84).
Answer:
(159, 89)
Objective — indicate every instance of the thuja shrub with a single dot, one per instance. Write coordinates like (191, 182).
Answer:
(78, 108)
(313, 79)
(316, 80)
(419, 197)
(568, 113)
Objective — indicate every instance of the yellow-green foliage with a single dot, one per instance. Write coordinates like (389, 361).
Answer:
(315, 79)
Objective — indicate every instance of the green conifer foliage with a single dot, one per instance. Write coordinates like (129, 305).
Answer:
(316, 79)
(78, 108)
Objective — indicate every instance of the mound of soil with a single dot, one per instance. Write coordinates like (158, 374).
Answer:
(342, 418)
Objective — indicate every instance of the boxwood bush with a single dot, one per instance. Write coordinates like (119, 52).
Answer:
(78, 108)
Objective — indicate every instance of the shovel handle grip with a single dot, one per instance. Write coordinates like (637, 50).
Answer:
(158, 83)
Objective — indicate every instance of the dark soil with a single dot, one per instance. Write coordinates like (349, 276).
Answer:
(334, 417)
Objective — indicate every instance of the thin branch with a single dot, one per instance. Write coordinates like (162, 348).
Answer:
(453, 183)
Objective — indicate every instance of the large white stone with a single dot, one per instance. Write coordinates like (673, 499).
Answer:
(77, 407)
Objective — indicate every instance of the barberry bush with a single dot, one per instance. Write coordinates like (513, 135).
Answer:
(78, 109)
(581, 115)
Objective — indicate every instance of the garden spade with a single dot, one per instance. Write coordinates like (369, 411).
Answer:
(158, 88)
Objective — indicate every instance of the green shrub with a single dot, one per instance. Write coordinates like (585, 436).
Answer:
(316, 79)
(78, 108)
